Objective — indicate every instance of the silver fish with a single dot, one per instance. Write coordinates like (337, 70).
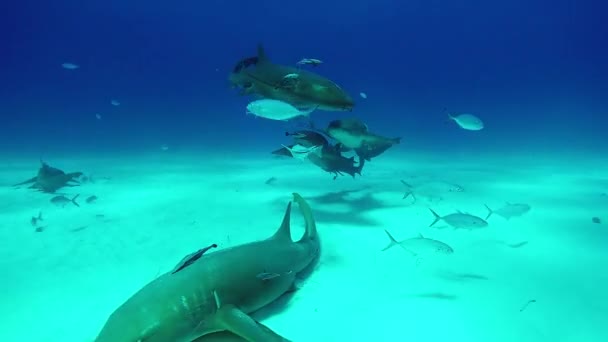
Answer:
(509, 210)
(62, 200)
(419, 245)
(460, 220)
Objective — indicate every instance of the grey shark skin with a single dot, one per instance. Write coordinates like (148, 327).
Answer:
(352, 133)
(257, 75)
(50, 179)
(331, 160)
(211, 298)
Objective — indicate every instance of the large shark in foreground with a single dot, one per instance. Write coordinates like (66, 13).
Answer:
(209, 296)
(301, 88)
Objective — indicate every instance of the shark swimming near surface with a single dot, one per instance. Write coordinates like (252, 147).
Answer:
(259, 76)
(209, 295)
(50, 179)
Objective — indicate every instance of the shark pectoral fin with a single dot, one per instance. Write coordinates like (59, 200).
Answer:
(231, 318)
(31, 180)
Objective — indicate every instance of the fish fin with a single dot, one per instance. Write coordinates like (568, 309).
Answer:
(284, 231)
(311, 227)
(490, 212)
(420, 235)
(231, 318)
(73, 200)
(262, 58)
(31, 180)
(392, 242)
(437, 217)
(396, 140)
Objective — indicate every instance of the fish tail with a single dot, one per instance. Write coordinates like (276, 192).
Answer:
(392, 242)
(437, 217)
(490, 212)
(396, 140)
(40, 216)
(74, 200)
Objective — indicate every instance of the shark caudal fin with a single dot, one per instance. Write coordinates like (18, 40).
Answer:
(284, 231)
(311, 226)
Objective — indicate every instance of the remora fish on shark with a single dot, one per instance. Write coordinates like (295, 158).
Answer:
(209, 296)
(259, 76)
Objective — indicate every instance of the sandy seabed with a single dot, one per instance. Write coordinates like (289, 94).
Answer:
(62, 283)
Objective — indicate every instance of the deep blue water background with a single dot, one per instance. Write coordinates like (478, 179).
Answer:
(534, 71)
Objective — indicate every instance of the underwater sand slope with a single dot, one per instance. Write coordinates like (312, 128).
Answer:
(156, 210)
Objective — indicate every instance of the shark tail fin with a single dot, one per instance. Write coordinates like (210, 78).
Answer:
(284, 231)
(391, 243)
(311, 226)
(437, 217)
(490, 212)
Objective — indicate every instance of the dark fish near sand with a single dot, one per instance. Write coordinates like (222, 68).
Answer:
(460, 220)
(509, 210)
(61, 200)
(91, 199)
(34, 221)
(330, 159)
(419, 245)
(50, 179)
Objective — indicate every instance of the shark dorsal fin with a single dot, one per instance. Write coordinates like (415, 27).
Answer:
(284, 232)
(262, 58)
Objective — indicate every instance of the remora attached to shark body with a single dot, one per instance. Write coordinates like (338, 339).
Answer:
(209, 297)
(259, 76)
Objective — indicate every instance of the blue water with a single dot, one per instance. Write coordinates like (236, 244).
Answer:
(534, 71)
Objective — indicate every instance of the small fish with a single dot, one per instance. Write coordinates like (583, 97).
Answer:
(91, 199)
(62, 200)
(77, 229)
(509, 210)
(270, 181)
(34, 221)
(596, 220)
(517, 245)
(164, 147)
(269, 275)
(191, 258)
(363, 95)
(115, 103)
(292, 75)
(40, 229)
(98, 116)
(275, 110)
(526, 305)
(70, 66)
(419, 245)
(468, 121)
(310, 61)
(460, 220)
(300, 152)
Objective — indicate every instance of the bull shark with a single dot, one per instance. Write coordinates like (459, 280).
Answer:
(331, 160)
(50, 179)
(259, 76)
(209, 296)
(352, 133)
